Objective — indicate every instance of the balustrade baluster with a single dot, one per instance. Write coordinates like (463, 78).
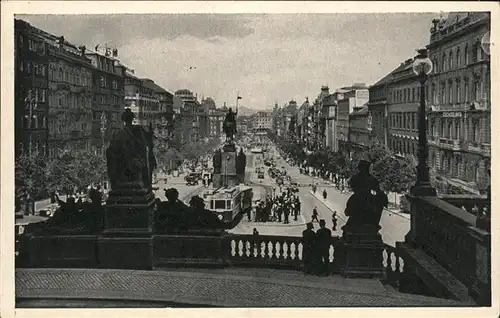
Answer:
(389, 275)
(397, 273)
(281, 255)
(237, 249)
(266, 250)
(288, 250)
(274, 250)
(245, 249)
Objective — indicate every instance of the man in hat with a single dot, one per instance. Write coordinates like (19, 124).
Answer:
(308, 242)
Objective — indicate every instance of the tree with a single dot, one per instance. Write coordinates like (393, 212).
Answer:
(395, 175)
(29, 174)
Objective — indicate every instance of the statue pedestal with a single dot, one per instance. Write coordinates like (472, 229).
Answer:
(359, 253)
(129, 211)
(227, 176)
(128, 226)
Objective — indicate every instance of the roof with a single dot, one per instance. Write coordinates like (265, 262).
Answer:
(361, 112)
(383, 80)
(149, 83)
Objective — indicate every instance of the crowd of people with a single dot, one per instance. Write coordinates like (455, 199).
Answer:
(278, 209)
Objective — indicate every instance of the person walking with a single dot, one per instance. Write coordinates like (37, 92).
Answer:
(308, 242)
(323, 242)
(325, 194)
(334, 221)
(315, 215)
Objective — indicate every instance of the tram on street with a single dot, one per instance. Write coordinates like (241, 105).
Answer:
(227, 203)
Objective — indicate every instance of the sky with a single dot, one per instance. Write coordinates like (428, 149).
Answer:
(267, 58)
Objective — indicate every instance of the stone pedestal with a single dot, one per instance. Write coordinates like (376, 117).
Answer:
(227, 176)
(193, 250)
(359, 254)
(129, 211)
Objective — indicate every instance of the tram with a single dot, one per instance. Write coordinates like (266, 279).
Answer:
(227, 203)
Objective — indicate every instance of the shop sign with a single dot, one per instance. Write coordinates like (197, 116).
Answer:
(452, 114)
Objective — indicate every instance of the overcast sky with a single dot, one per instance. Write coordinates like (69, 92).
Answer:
(268, 58)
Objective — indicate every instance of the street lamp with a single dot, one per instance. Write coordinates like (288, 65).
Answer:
(422, 67)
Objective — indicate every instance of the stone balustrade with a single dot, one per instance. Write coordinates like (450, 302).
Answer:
(469, 202)
(449, 236)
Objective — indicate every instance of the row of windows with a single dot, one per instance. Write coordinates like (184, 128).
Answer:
(110, 116)
(32, 68)
(452, 129)
(406, 95)
(406, 120)
(69, 100)
(107, 99)
(404, 146)
(455, 58)
(57, 128)
(33, 45)
(34, 96)
(455, 167)
(457, 91)
(36, 122)
(71, 75)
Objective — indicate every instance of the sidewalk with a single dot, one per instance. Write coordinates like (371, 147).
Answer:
(329, 205)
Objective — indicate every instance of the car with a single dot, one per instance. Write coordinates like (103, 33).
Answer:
(191, 179)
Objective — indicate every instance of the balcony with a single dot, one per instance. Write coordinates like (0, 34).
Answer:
(451, 144)
(62, 86)
(474, 146)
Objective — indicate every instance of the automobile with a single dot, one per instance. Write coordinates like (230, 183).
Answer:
(260, 174)
(191, 179)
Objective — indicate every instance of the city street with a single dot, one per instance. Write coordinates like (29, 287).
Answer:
(394, 224)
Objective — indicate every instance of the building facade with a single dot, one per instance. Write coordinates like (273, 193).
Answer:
(360, 123)
(378, 108)
(108, 82)
(31, 89)
(353, 98)
(459, 101)
(402, 107)
(262, 121)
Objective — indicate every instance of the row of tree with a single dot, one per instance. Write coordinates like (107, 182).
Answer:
(395, 174)
(37, 175)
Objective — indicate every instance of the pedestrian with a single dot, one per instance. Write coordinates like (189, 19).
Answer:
(334, 221)
(255, 232)
(308, 242)
(298, 204)
(249, 214)
(315, 215)
(325, 194)
(323, 242)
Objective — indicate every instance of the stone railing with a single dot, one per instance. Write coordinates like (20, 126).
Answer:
(469, 202)
(267, 251)
(448, 234)
(393, 265)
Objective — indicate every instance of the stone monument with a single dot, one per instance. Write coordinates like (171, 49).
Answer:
(129, 211)
(360, 249)
(227, 163)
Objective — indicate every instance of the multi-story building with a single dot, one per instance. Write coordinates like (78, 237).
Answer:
(459, 101)
(402, 107)
(360, 123)
(108, 94)
(262, 121)
(378, 108)
(353, 98)
(31, 84)
(69, 97)
(215, 121)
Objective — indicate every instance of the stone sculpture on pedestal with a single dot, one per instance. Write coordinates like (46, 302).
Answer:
(361, 246)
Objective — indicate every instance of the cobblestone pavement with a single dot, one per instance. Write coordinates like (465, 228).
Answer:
(211, 288)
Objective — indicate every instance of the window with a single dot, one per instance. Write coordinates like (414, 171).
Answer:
(457, 129)
(21, 41)
(479, 53)
(444, 61)
(459, 92)
(28, 67)
(475, 90)
(466, 90)
(466, 54)
(459, 61)
(450, 92)
(21, 66)
(450, 60)
(42, 95)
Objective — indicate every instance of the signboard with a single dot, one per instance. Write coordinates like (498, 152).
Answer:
(452, 114)
(362, 97)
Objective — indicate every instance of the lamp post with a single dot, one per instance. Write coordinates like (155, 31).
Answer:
(422, 67)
